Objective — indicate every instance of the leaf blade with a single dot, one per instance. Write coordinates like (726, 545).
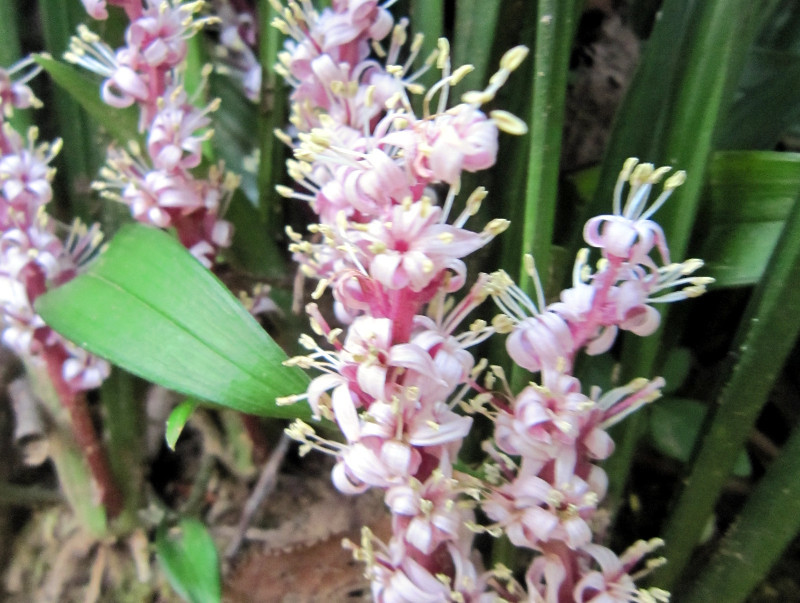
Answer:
(150, 307)
(189, 558)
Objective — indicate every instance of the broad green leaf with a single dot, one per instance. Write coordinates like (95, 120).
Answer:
(147, 305)
(177, 421)
(121, 124)
(676, 368)
(188, 557)
(751, 194)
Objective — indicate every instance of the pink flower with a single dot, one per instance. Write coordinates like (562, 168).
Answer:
(173, 140)
(426, 514)
(17, 94)
(541, 341)
(462, 139)
(534, 510)
(628, 234)
(545, 418)
(414, 247)
(612, 583)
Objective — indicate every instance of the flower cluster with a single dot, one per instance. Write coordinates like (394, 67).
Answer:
(373, 171)
(32, 257)
(545, 483)
(157, 182)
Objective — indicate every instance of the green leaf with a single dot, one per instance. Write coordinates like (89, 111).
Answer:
(189, 559)
(765, 337)
(149, 306)
(675, 426)
(751, 193)
(252, 249)
(233, 131)
(769, 521)
(676, 369)
(476, 25)
(427, 18)
(767, 103)
(177, 421)
(121, 124)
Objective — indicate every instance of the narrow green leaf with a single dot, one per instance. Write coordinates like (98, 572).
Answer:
(554, 33)
(751, 192)
(189, 558)
(271, 116)
(555, 28)
(177, 421)
(427, 18)
(767, 524)
(147, 305)
(475, 27)
(765, 337)
(121, 124)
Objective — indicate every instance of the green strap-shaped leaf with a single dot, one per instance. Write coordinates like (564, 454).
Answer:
(147, 305)
(769, 521)
(189, 559)
(767, 332)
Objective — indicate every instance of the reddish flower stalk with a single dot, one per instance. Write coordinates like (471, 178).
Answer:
(32, 259)
(85, 434)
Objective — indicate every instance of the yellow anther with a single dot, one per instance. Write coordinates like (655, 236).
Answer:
(284, 191)
(417, 43)
(508, 122)
(475, 199)
(444, 53)
(659, 173)
(502, 324)
(513, 58)
(476, 97)
(497, 226)
(460, 73)
(675, 180)
(641, 173)
(280, 25)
